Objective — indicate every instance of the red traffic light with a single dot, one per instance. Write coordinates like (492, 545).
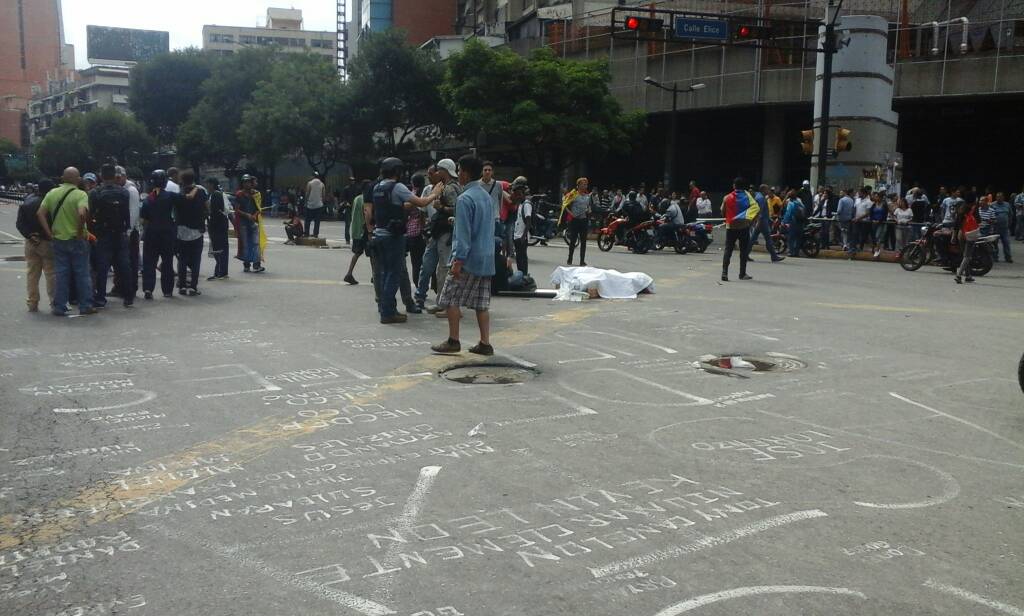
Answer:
(643, 24)
(743, 32)
(751, 32)
(632, 23)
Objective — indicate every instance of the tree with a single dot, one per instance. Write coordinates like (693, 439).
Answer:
(396, 86)
(165, 88)
(211, 132)
(86, 140)
(302, 107)
(547, 108)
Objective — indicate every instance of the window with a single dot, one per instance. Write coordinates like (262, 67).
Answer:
(222, 38)
(247, 39)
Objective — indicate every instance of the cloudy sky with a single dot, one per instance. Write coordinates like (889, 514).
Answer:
(184, 19)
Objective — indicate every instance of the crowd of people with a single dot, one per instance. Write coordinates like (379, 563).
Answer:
(79, 231)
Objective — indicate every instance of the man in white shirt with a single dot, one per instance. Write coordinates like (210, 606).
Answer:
(172, 181)
(861, 222)
(314, 204)
(703, 204)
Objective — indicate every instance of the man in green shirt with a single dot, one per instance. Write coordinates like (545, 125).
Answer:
(63, 215)
(359, 238)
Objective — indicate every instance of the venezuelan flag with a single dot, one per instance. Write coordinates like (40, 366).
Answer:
(741, 206)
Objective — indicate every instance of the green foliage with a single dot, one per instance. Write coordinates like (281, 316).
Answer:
(298, 108)
(210, 134)
(86, 140)
(546, 107)
(396, 86)
(164, 90)
(8, 147)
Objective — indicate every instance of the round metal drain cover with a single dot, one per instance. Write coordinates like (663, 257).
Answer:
(739, 362)
(488, 374)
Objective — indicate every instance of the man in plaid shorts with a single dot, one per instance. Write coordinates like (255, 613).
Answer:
(468, 283)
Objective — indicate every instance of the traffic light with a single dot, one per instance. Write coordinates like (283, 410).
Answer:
(643, 24)
(807, 142)
(750, 32)
(843, 143)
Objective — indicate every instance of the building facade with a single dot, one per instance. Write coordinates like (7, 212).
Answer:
(97, 87)
(32, 53)
(421, 20)
(283, 29)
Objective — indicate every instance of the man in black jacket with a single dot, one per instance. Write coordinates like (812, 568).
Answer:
(110, 220)
(218, 228)
(38, 251)
(190, 212)
(158, 236)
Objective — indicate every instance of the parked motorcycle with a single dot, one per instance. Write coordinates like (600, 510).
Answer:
(702, 233)
(923, 251)
(810, 246)
(639, 238)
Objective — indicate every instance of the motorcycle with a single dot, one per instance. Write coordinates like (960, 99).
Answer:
(922, 251)
(639, 238)
(681, 239)
(810, 243)
(702, 233)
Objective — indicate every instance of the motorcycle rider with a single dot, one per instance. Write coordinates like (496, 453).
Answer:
(673, 221)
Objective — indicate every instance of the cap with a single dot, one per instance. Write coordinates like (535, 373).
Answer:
(90, 177)
(807, 182)
(448, 165)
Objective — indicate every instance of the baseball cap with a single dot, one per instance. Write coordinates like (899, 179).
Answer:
(448, 165)
(90, 177)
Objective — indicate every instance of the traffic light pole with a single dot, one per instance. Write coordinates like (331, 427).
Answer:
(829, 49)
(670, 158)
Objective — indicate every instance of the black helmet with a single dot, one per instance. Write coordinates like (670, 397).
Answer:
(246, 178)
(389, 166)
(158, 178)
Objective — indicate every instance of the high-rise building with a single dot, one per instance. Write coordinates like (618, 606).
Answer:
(32, 53)
(421, 20)
(284, 29)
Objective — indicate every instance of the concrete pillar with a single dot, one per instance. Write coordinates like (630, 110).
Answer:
(862, 93)
(773, 149)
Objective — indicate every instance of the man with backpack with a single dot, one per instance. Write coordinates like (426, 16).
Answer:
(63, 217)
(110, 220)
(218, 229)
(38, 251)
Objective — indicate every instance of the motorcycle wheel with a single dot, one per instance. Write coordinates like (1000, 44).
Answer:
(912, 257)
(605, 242)
(682, 247)
(981, 262)
(534, 240)
(811, 249)
(643, 244)
(658, 244)
(702, 246)
(781, 246)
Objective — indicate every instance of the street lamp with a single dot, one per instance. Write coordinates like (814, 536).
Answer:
(670, 157)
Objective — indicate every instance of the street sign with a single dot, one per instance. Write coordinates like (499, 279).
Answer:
(716, 30)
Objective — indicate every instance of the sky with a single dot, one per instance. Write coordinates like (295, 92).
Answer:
(184, 19)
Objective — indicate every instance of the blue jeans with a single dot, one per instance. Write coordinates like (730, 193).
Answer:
(71, 264)
(112, 249)
(313, 216)
(795, 238)
(390, 251)
(1003, 230)
(435, 259)
(763, 227)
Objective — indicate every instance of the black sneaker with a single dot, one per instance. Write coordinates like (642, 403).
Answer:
(746, 277)
(413, 309)
(182, 291)
(194, 292)
(350, 279)
(148, 295)
(212, 278)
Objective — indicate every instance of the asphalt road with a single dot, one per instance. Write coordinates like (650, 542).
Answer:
(269, 449)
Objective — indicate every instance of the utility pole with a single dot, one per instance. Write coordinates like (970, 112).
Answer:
(829, 49)
(670, 155)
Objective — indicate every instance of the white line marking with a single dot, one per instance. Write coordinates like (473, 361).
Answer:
(12, 236)
(393, 377)
(355, 373)
(950, 491)
(746, 591)
(146, 397)
(697, 400)
(957, 419)
(629, 339)
(524, 420)
(363, 606)
(405, 521)
(231, 393)
(519, 361)
(967, 595)
(265, 384)
(600, 354)
(704, 543)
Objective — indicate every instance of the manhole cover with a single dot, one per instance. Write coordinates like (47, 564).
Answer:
(489, 374)
(740, 362)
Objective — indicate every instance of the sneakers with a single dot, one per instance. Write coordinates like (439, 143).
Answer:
(148, 295)
(168, 295)
(435, 309)
(182, 291)
(350, 279)
(194, 292)
(413, 309)
(969, 279)
(877, 252)
(259, 270)
(88, 311)
(746, 277)
(778, 258)
(725, 277)
(482, 349)
(448, 347)
(211, 279)
(397, 318)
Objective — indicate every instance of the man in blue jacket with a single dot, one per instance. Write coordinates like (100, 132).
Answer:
(469, 280)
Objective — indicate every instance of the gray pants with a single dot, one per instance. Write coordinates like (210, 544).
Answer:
(435, 261)
(965, 265)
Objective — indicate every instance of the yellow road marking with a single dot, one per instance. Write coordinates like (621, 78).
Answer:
(99, 501)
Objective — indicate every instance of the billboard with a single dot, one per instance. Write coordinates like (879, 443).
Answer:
(124, 45)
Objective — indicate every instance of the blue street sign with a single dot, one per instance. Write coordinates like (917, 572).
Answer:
(702, 29)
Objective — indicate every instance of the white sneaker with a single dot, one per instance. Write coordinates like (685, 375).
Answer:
(877, 252)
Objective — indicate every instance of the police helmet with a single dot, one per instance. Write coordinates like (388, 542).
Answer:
(390, 166)
(158, 179)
